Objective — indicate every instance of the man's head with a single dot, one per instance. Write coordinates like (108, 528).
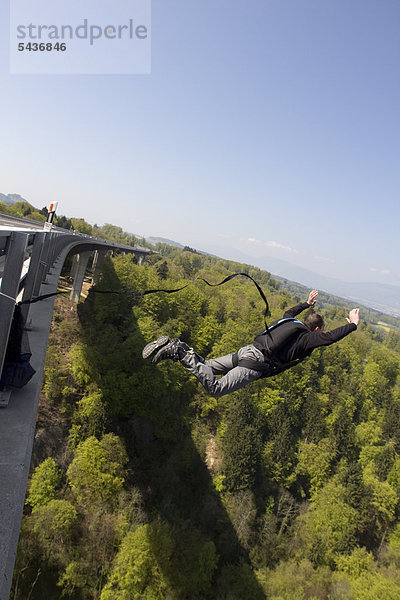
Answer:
(314, 321)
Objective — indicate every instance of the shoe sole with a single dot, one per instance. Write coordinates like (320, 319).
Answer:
(156, 359)
(153, 346)
(174, 357)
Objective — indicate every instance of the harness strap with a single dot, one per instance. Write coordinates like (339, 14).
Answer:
(254, 365)
(267, 368)
(235, 359)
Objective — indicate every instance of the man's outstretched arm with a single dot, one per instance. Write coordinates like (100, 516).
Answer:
(317, 338)
(295, 310)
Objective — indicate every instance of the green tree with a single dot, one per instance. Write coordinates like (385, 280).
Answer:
(89, 417)
(53, 524)
(315, 462)
(383, 501)
(280, 452)
(44, 483)
(370, 586)
(139, 572)
(206, 334)
(96, 475)
(237, 582)
(296, 580)
(330, 525)
(374, 387)
(162, 270)
(81, 226)
(241, 445)
(342, 430)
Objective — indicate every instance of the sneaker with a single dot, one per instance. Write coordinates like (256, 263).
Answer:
(175, 350)
(153, 346)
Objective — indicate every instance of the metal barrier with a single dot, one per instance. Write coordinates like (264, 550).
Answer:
(28, 250)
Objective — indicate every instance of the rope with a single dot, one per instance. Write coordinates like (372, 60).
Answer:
(44, 297)
(165, 291)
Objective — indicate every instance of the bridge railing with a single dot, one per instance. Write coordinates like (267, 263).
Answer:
(26, 257)
(15, 259)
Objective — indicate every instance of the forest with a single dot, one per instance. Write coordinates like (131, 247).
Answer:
(144, 487)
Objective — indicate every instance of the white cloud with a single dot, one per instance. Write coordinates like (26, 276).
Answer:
(272, 244)
(380, 271)
(281, 246)
(324, 259)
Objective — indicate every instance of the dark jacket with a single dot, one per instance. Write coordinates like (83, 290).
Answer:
(307, 341)
(300, 345)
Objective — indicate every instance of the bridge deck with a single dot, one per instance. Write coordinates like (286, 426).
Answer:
(18, 416)
(17, 430)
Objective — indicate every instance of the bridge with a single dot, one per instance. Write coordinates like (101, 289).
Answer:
(32, 255)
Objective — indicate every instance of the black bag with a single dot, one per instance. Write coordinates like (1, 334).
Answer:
(17, 374)
(16, 369)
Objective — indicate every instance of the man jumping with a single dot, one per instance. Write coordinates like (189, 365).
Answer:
(285, 343)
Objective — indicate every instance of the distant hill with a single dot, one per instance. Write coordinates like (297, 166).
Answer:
(161, 240)
(11, 199)
(378, 296)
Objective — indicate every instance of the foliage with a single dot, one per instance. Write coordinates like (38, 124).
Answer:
(44, 483)
(146, 566)
(22, 209)
(53, 521)
(81, 226)
(241, 446)
(88, 418)
(293, 580)
(314, 462)
(137, 573)
(96, 473)
(287, 489)
(330, 525)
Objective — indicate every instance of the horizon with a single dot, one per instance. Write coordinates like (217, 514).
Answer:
(244, 257)
(278, 137)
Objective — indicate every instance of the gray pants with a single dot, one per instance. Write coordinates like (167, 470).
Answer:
(233, 378)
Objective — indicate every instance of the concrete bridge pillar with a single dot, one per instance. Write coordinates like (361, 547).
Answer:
(74, 266)
(98, 260)
(78, 273)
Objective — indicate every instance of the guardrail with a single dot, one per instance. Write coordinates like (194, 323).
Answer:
(28, 250)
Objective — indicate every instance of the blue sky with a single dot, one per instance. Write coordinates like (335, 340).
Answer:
(267, 126)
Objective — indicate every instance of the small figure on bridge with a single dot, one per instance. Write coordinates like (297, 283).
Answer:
(282, 345)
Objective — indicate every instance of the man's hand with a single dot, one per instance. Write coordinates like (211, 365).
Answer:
(354, 316)
(311, 298)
